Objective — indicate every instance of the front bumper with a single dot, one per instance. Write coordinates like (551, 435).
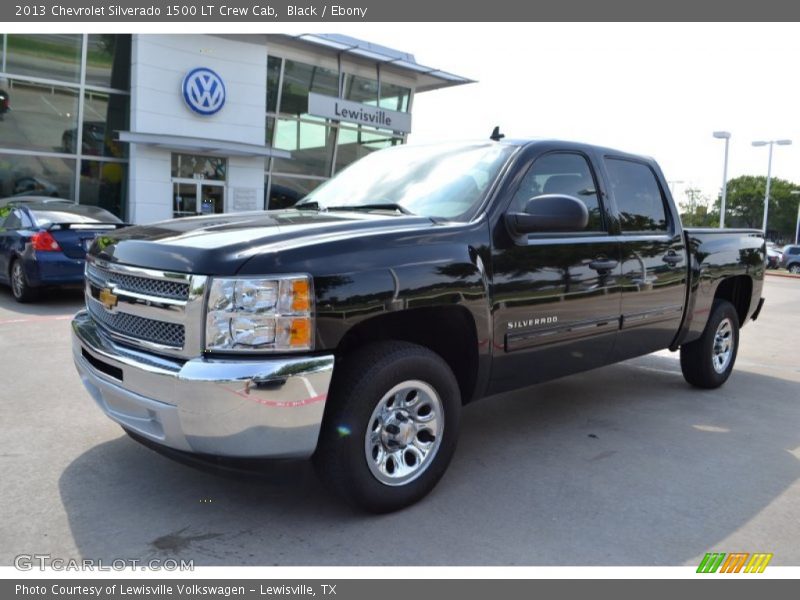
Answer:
(243, 408)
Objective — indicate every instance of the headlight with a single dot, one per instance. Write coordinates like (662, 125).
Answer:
(266, 315)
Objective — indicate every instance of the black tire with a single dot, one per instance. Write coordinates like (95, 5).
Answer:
(361, 385)
(20, 287)
(794, 268)
(702, 360)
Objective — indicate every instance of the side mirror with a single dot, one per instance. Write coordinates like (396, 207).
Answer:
(549, 213)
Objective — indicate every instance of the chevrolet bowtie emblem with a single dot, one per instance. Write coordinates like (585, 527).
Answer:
(108, 299)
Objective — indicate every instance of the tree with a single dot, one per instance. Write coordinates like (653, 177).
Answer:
(745, 206)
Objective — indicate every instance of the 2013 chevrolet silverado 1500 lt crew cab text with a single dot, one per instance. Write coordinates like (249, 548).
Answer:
(353, 327)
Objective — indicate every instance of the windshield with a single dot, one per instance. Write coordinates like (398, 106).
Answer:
(446, 181)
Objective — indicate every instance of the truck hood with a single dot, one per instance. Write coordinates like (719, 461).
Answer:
(221, 244)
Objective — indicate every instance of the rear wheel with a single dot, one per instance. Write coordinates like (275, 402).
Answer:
(708, 361)
(390, 427)
(795, 268)
(20, 288)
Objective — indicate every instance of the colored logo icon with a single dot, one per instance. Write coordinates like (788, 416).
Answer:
(203, 91)
(734, 562)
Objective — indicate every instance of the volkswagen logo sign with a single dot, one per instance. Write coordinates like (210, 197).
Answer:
(203, 91)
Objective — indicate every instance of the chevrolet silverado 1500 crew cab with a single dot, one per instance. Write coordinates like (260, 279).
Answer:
(352, 327)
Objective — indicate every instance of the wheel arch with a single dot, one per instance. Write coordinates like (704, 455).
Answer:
(449, 331)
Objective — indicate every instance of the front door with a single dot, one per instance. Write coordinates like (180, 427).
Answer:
(192, 197)
(556, 300)
(654, 269)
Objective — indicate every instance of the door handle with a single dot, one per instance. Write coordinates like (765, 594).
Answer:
(672, 258)
(603, 264)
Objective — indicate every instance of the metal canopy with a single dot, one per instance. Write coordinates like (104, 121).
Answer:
(429, 78)
(203, 145)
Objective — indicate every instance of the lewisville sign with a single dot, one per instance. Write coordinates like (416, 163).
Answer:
(355, 112)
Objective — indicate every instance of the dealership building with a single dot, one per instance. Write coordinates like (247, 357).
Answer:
(156, 126)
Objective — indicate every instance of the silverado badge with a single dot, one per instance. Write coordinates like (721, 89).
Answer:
(108, 299)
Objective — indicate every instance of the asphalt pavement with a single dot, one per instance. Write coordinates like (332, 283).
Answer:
(625, 465)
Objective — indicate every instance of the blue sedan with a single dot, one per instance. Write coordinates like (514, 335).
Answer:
(44, 243)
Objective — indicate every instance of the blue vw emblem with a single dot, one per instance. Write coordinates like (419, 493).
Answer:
(203, 91)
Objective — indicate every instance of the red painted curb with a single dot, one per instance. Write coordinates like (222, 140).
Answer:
(787, 275)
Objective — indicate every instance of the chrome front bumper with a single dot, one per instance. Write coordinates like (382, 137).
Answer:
(237, 407)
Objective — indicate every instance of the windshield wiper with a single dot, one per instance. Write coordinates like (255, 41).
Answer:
(374, 206)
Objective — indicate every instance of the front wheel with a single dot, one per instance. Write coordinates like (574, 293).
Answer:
(391, 426)
(795, 268)
(708, 361)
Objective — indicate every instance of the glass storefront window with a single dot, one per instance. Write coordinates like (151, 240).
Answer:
(195, 166)
(103, 184)
(37, 175)
(300, 78)
(45, 56)
(273, 80)
(286, 191)
(357, 143)
(108, 61)
(103, 116)
(42, 117)
(394, 97)
(311, 145)
(361, 89)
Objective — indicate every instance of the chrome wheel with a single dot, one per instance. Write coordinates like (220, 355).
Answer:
(404, 433)
(17, 280)
(723, 346)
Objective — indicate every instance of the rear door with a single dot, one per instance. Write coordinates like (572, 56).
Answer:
(654, 258)
(556, 298)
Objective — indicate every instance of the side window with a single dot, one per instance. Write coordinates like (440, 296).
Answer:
(638, 195)
(561, 173)
(794, 251)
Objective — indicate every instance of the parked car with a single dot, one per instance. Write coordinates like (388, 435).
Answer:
(352, 327)
(93, 142)
(5, 103)
(45, 243)
(790, 258)
(773, 256)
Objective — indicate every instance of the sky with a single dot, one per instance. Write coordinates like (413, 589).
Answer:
(654, 89)
(659, 89)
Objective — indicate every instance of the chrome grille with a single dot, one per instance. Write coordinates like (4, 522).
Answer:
(160, 288)
(155, 310)
(149, 330)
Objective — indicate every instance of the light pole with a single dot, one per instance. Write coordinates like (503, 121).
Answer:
(797, 223)
(723, 135)
(769, 143)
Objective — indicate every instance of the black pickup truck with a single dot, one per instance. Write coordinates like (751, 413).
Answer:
(353, 327)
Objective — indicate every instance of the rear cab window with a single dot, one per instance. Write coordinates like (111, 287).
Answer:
(638, 195)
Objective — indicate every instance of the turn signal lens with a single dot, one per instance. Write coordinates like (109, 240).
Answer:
(300, 297)
(300, 333)
(43, 241)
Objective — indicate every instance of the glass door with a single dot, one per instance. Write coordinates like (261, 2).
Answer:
(192, 197)
(184, 198)
(212, 198)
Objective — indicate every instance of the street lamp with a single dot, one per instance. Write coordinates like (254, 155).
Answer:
(770, 143)
(723, 135)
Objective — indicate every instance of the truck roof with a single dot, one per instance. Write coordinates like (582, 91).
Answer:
(573, 144)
